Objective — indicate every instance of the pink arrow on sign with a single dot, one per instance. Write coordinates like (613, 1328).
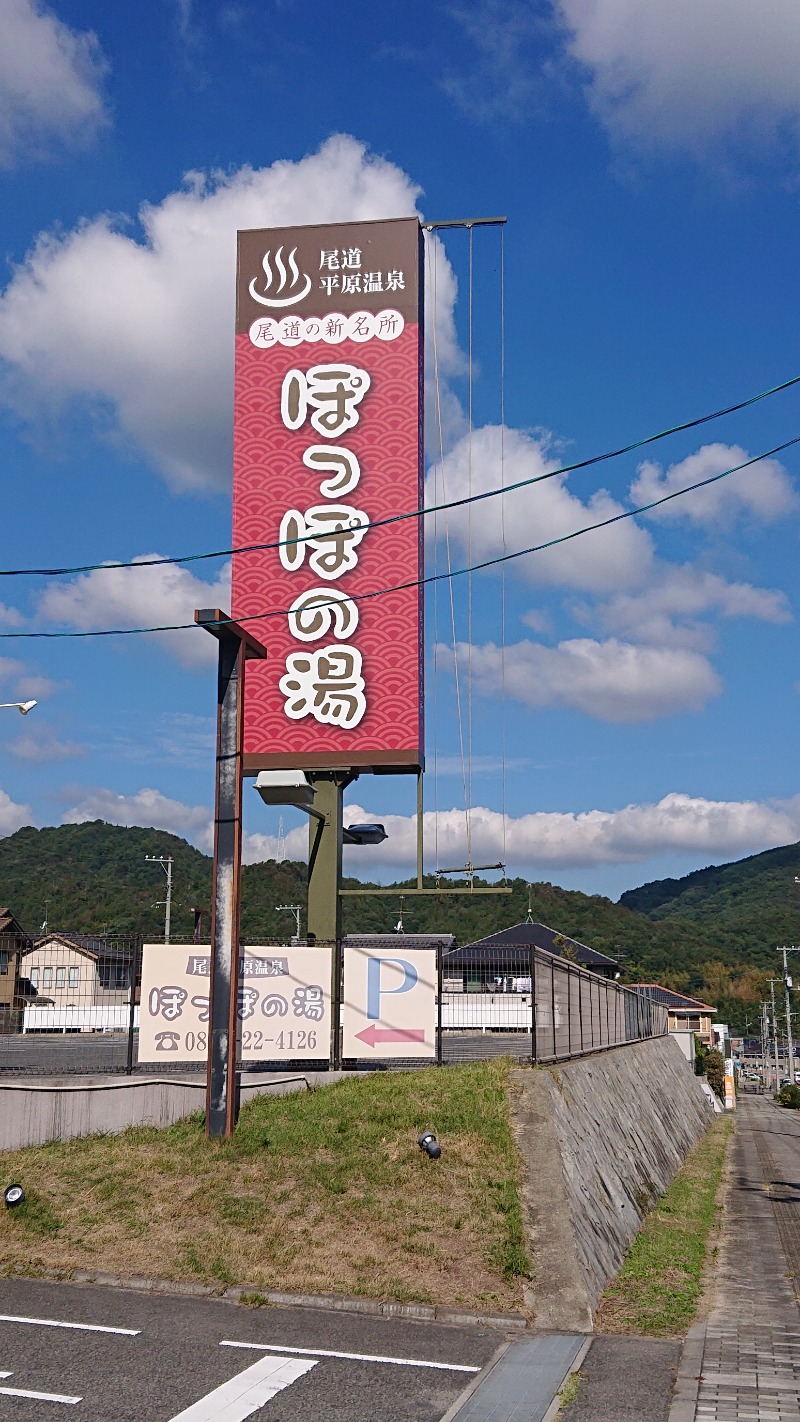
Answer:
(373, 1035)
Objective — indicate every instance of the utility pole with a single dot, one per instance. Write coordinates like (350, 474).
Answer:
(764, 1047)
(291, 908)
(772, 982)
(787, 983)
(166, 865)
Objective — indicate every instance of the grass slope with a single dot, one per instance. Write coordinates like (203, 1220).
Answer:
(321, 1191)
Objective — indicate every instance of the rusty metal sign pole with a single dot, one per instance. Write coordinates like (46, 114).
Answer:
(235, 648)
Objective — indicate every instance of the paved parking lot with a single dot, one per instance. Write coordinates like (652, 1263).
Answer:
(84, 1351)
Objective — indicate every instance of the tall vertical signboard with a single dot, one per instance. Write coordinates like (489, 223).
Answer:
(327, 448)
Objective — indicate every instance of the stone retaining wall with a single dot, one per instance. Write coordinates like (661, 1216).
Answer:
(601, 1139)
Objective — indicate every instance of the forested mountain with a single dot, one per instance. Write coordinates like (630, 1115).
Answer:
(753, 904)
(712, 933)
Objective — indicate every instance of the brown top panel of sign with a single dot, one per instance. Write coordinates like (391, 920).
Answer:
(343, 267)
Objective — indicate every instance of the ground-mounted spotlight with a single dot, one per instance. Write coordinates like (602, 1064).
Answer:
(428, 1142)
(13, 1195)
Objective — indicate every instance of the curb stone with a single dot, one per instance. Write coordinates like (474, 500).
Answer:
(687, 1383)
(278, 1298)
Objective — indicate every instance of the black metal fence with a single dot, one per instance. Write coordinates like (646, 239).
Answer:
(524, 1002)
(68, 1002)
(69, 1005)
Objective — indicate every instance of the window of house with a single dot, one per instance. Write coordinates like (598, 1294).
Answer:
(47, 977)
(3, 961)
(34, 977)
(61, 977)
(73, 977)
(693, 1023)
(113, 976)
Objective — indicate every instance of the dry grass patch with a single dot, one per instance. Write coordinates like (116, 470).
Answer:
(322, 1191)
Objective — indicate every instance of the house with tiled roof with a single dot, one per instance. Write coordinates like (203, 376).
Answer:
(74, 970)
(12, 942)
(506, 955)
(686, 1014)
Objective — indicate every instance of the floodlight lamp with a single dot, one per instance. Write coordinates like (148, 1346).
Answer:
(364, 834)
(26, 706)
(428, 1142)
(285, 787)
(13, 1195)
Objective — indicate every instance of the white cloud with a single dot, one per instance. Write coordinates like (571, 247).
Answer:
(612, 558)
(144, 597)
(666, 612)
(611, 680)
(677, 824)
(147, 807)
(12, 816)
(764, 492)
(503, 80)
(18, 683)
(143, 328)
(39, 745)
(689, 73)
(50, 81)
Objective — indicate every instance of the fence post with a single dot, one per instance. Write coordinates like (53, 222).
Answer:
(534, 1052)
(135, 965)
(438, 951)
(553, 1002)
(569, 1009)
(337, 970)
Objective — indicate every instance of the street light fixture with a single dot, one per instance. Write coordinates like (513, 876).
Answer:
(22, 706)
(287, 787)
(364, 834)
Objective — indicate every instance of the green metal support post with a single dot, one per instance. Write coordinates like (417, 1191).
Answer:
(325, 854)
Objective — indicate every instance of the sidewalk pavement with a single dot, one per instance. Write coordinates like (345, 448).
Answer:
(743, 1363)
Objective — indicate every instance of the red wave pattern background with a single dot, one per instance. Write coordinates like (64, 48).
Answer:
(269, 478)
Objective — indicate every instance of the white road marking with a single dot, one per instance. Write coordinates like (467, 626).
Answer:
(37, 1396)
(60, 1323)
(355, 1357)
(5, 1375)
(245, 1393)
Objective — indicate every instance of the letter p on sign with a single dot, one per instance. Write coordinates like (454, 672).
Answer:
(402, 979)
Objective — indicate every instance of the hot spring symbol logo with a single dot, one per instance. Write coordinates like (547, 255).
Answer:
(279, 281)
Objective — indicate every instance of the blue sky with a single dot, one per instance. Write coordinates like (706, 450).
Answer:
(648, 161)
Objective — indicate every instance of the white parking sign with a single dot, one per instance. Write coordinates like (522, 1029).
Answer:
(389, 1002)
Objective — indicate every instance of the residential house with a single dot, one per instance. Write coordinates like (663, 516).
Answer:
(686, 1014)
(12, 942)
(503, 959)
(74, 971)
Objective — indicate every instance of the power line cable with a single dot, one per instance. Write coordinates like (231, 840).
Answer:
(111, 565)
(419, 582)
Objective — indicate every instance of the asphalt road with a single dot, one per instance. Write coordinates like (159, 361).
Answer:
(176, 1356)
